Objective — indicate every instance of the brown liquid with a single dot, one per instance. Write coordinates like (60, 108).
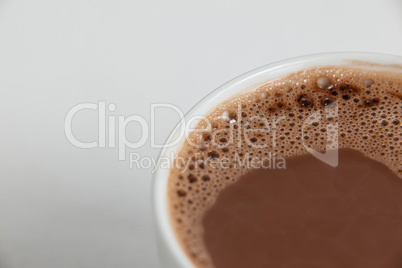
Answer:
(309, 215)
(320, 109)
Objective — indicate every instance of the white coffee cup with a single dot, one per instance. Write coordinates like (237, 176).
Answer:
(171, 253)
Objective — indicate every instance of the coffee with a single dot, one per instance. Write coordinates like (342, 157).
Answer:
(251, 158)
(309, 215)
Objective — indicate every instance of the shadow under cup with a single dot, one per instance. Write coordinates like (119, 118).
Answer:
(171, 253)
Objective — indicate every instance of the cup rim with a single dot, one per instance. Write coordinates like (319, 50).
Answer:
(241, 83)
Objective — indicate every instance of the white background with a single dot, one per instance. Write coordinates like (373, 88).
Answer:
(64, 207)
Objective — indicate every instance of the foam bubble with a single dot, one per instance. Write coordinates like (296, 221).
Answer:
(324, 83)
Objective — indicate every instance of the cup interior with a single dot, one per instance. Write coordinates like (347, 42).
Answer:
(167, 240)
